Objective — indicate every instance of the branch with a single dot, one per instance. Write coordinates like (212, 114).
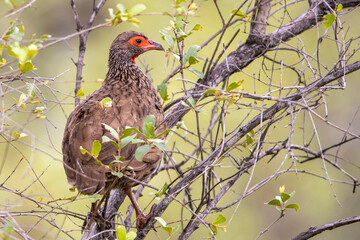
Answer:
(83, 39)
(313, 231)
(231, 141)
(253, 48)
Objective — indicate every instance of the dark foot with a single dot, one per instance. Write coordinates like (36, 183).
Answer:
(142, 219)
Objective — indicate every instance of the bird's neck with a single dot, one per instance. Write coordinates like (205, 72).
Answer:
(125, 74)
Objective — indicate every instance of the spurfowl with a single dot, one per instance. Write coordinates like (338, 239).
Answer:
(133, 99)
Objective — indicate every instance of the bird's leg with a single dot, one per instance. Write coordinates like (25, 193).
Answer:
(141, 218)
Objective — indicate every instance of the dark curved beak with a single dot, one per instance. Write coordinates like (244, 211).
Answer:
(153, 46)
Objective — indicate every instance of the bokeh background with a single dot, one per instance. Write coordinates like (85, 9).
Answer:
(40, 151)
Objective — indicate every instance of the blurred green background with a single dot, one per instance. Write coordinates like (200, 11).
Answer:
(42, 148)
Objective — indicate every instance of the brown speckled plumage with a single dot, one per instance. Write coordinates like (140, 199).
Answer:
(133, 98)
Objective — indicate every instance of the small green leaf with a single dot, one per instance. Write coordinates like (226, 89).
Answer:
(233, 86)
(27, 66)
(238, 13)
(161, 221)
(136, 9)
(137, 141)
(80, 93)
(163, 91)
(162, 191)
(164, 132)
(112, 131)
(106, 139)
(210, 91)
(191, 52)
(7, 229)
(96, 148)
(293, 205)
(196, 72)
(197, 27)
(284, 196)
(106, 102)
(214, 229)
(121, 233)
(149, 126)
(191, 101)
(161, 146)
(171, 230)
(83, 150)
(274, 202)
(219, 220)
(193, 60)
(339, 7)
(40, 109)
(117, 174)
(97, 162)
(329, 20)
(126, 140)
(142, 151)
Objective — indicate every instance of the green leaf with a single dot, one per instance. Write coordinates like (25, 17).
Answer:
(126, 140)
(83, 150)
(149, 126)
(238, 13)
(136, 141)
(219, 220)
(274, 202)
(233, 86)
(80, 93)
(136, 9)
(161, 146)
(121, 233)
(106, 102)
(214, 229)
(193, 60)
(293, 205)
(106, 139)
(7, 229)
(162, 191)
(171, 230)
(97, 162)
(197, 27)
(164, 132)
(329, 20)
(112, 131)
(191, 52)
(27, 66)
(163, 91)
(339, 7)
(284, 196)
(210, 91)
(191, 101)
(96, 148)
(161, 221)
(196, 72)
(117, 174)
(142, 151)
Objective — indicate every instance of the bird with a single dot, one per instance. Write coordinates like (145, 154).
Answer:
(134, 97)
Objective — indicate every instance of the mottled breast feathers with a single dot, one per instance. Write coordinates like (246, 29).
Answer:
(133, 98)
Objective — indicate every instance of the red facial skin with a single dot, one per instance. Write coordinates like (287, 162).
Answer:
(146, 44)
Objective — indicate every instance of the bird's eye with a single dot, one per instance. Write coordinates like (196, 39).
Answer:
(138, 41)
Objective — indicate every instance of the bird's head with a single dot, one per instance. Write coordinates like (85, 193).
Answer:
(129, 45)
